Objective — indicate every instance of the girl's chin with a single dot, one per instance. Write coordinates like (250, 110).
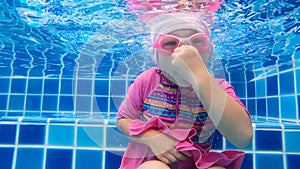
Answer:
(175, 78)
(180, 82)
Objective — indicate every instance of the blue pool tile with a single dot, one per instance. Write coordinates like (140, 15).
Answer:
(16, 113)
(244, 101)
(35, 86)
(113, 159)
(3, 102)
(264, 142)
(273, 107)
(115, 103)
(66, 86)
(285, 67)
(33, 103)
(249, 75)
(288, 107)
(16, 102)
(118, 87)
(61, 135)
(12, 119)
(46, 114)
(88, 159)
(272, 161)
(37, 71)
(84, 87)
(268, 125)
(6, 157)
(251, 106)
(101, 87)
(291, 126)
(237, 76)
(226, 74)
(116, 139)
(18, 65)
(111, 119)
(260, 87)
(89, 136)
(5, 83)
(218, 141)
(239, 89)
(69, 118)
(286, 81)
(59, 158)
(292, 161)
(101, 104)
(250, 89)
(69, 74)
(50, 103)
(5, 71)
(248, 161)
(32, 134)
(298, 80)
(292, 141)
(7, 133)
(261, 107)
(83, 103)
(30, 158)
(2, 114)
(298, 105)
(66, 103)
(272, 86)
(32, 114)
(18, 85)
(34, 120)
(51, 86)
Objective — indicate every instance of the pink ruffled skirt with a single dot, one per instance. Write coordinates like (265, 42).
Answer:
(137, 153)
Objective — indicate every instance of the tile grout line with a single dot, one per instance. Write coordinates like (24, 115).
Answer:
(75, 145)
(14, 163)
(254, 146)
(104, 144)
(46, 143)
(283, 147)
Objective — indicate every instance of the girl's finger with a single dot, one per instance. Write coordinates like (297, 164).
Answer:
(171, 158)
(164, 160)
(178, 155)
(187, 153)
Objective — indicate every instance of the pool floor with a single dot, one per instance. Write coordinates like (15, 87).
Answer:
(58, 143)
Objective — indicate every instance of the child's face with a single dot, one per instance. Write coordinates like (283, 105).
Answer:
(165, 58)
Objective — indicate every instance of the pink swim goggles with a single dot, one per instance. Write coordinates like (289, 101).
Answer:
(168, 43)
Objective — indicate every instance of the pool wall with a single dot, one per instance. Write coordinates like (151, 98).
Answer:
(53, 118)
(39, 129)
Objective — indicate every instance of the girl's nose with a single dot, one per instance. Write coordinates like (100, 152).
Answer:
(183, 43)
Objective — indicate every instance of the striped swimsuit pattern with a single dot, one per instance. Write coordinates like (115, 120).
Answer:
(179, 108)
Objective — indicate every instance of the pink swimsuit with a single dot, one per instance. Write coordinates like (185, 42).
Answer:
(153, 102)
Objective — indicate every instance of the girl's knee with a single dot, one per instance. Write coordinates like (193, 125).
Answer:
(153, 164)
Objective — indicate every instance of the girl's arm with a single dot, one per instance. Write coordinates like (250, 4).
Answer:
(227, 115)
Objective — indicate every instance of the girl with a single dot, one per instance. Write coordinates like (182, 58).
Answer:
(171, 112)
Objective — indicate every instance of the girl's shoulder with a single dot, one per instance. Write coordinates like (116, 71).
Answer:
(149, 76)
(151, 72)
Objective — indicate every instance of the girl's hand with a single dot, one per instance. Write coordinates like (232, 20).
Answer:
(188, 63)
(164, 149)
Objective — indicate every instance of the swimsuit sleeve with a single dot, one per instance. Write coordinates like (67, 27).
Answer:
(132, 105)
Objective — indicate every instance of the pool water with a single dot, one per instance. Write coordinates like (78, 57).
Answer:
(65, 67)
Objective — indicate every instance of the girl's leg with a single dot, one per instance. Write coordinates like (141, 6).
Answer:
(153, 164)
